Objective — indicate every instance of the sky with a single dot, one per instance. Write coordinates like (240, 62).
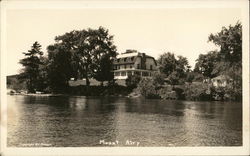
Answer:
(152, 31)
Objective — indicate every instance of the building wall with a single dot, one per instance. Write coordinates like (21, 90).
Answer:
(124, 67)
(138, 61)
(150, 61)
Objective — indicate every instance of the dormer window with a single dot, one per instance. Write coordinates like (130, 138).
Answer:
(151, 67)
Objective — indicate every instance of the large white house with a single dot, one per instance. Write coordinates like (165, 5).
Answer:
(132, 62)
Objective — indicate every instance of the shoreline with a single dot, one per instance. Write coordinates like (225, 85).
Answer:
(61, 95)
(131, 95)
(117, 96)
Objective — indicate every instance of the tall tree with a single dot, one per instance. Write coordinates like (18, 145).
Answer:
(175, 69)
(86, 50)
(206, 64)
(133, 80)
(230, 42)
(60, 67)
(31, 64)
(104, 70)
(227, 60)
(43, 82)
(167, 63)
(214, 63)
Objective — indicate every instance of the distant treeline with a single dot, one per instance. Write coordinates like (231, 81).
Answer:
(88, 54)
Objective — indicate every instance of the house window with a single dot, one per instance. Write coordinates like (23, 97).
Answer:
(125, 66)
(145, 74)
(137, 73)
(123, 74)
(125, 59)
(129, 73)
(138, 66)
(117, 73)
(131, 66)
(151, 67)
(118, 67)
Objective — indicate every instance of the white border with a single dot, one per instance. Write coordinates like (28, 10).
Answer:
(242, 150)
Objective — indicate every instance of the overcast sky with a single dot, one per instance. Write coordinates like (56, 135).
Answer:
(153, 31)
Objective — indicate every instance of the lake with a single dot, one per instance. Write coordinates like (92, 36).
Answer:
(36, 121)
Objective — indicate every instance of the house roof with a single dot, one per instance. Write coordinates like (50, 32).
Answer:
(125, 60)
(129, 58)
(221, 77)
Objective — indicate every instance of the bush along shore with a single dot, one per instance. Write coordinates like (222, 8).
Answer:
(196, 91)
(147, 88)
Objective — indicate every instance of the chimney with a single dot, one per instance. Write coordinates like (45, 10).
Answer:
(143, 61)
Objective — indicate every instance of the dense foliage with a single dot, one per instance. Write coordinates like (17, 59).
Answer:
(32, 73)
(175, 69)
(147, 88)
(227, 60)
(89, 54)
(133, 80)
(197, 84)
(81, 54)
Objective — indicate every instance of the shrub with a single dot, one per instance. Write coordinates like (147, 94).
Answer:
(147, 89)
(227, 93)
(132, 81)
(219, 93)
(158, 78)
(167, 93)
(197, 91)
(179, 92)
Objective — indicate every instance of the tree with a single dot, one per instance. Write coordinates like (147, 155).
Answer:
(84, 52)
(147, 88)
(13, 82)
(227, 60)
(167, 63)
(230, 42)
(190, 76)
(31, 63)
(174, 79)
(206, 64)
(133, 80)
(43, 82)
(104, 71)
(175, 69)
(60, 67)
(158, 78)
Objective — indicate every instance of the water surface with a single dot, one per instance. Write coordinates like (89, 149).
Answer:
(80, 121)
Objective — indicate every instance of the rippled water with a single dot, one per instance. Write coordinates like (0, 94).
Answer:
(80, 121)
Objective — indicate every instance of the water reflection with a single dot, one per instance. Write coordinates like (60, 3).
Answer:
(80, 121)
